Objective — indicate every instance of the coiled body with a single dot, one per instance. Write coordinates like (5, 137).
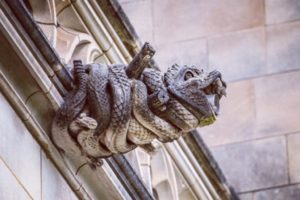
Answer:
(109, 113)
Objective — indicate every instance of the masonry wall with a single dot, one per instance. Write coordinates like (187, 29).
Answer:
(256, 45)
(25, 171)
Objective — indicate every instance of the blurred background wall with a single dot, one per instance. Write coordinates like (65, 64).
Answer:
(256, 46)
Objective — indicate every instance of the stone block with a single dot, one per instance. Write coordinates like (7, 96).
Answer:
(53, 184)
(187, 194)
(50, 33)
(14, 70)
(19, 150)
(43, 11)
(140, 15)
(238, 55)
(60, 5)
(69, 18)
(107, 186)
(278, 11)
(236, 121)
(281, 193)
(41, 109)
(183, 53)
(176, 20)
(9, 185)
(293, 142)
(246, 196)
(126, 1)
(254, 165)
(277, 104)
(283, 47)
(134, 161)
(66, 43)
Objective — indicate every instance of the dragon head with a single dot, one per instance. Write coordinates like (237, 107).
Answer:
(199, 92)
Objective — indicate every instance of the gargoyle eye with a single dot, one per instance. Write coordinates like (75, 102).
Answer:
(188, 75)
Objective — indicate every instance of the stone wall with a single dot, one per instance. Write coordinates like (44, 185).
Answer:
(256, 45)
(25, 172)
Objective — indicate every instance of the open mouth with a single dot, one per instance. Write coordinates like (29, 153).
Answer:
(203, 104)
(213, 101)
(214, 93)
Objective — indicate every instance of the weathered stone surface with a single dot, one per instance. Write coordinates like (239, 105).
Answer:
(278, 11)
(187, 194)
(50, 33)
(9, 185)
(238, 55)
(183, 53)
(283, 47)
(176, 20)
(293, 142)
(53, 184)
(10, 64)
(105, 181)
(60, 5)
(144, 162)
(69, 18)
(43, 11)
(282, 193)
(246, 196)
(254, 165)
(41, 109)
(121, 130)
(19, 150)
(126, 1)
(134, 161)
(140, 15)
(277, 104)
(66, 43)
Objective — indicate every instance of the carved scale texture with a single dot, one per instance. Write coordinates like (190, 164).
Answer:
(138, 134)
(153, 80)
(121, 108)
(98, 96)
(90, 144)
(116, 136)
(171, 72)
(72, 106)
(195, 97)
(186, 118)
(165, 131)
(175, 113)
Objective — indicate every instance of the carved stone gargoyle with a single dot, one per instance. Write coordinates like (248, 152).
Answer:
(115, 108)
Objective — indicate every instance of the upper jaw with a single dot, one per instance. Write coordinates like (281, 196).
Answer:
(214, 93)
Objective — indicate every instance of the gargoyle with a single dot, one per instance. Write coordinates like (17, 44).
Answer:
(115, 108)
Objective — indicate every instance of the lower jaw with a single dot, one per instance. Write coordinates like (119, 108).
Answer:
(208, 120)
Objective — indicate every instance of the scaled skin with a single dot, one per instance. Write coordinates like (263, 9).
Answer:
(109, 113)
